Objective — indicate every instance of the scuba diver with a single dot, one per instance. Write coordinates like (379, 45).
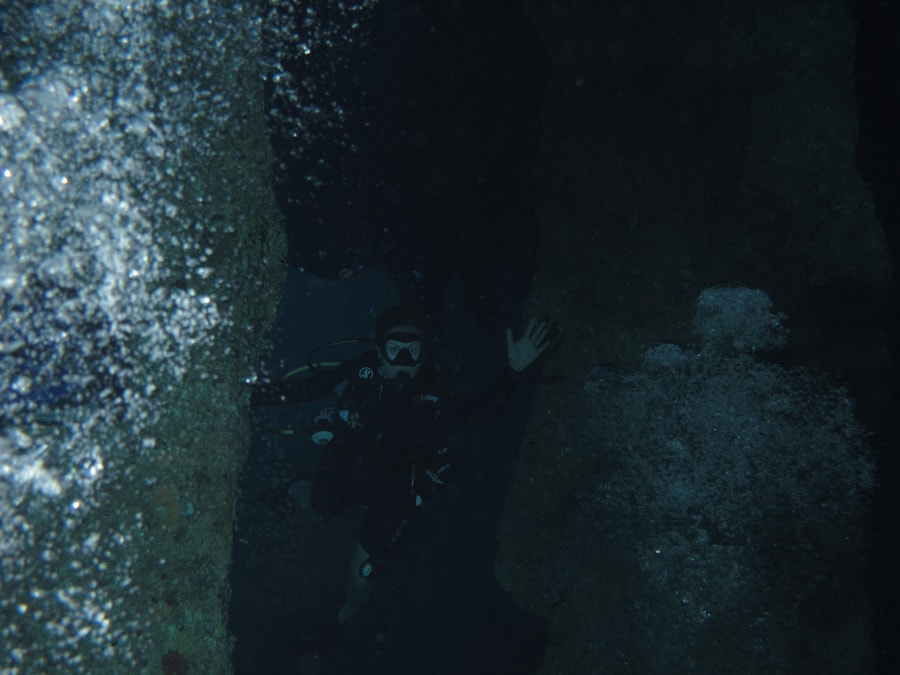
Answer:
(383, 445)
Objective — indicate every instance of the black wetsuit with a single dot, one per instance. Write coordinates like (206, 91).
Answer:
(388, 436)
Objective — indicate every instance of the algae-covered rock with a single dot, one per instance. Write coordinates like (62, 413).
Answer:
(139, 273)
(685, 147)
(721, 527)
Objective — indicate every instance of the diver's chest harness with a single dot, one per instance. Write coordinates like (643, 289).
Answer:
(383, 415)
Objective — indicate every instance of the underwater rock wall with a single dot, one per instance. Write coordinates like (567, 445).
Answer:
(687, 146)
(722, 524)
(140, 265)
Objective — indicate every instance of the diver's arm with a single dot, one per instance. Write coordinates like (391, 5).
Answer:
(320, 384)
(521, 355)
(290, 391)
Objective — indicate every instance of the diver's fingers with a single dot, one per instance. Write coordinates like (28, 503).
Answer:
(548, 334)
(538, 332)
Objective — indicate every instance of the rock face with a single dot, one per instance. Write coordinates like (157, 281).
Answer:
(142, 256)
(725, 512)
(685, 148)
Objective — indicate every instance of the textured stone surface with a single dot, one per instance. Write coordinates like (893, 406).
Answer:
(142, 260)
(685, 146)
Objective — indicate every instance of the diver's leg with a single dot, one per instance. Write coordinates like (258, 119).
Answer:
(390, 509)
(359, 587)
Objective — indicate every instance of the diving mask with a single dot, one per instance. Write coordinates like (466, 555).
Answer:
(402, 351)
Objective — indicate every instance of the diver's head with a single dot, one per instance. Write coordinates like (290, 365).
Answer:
(403, 341)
